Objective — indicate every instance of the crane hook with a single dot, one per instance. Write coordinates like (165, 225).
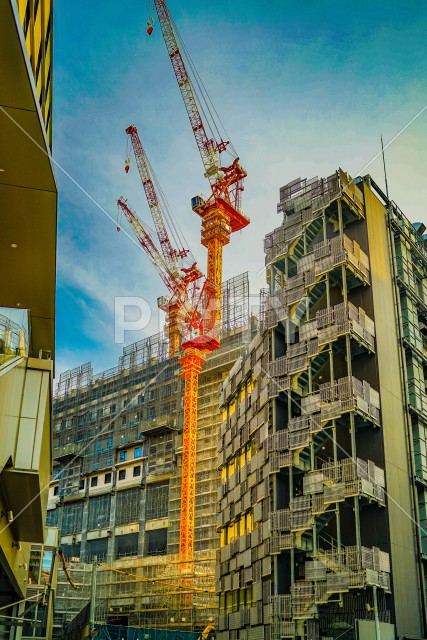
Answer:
(150, 23)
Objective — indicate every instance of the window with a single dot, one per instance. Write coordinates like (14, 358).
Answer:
(128, 506)
(97, 548)
(72, 516)
(94, 481)
(137, 452)
(52, 518)
(99, 512)
(122, 474)
(107, 478)
(126, 545)
(157, 500)
(137, 471)
(55, 490)
(123, 455)
(123, 421)
(156, 542)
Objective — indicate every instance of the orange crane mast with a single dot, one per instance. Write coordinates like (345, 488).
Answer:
(220, 212)
(191, 303)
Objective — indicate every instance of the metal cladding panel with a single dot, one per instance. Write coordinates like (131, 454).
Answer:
(255, 633)
(402, 540)
(257, 591)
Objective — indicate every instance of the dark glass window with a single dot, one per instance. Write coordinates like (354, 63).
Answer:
(94, 481)
(137, 452)
(107, 478)
(126, 545)
(127, 506)
(72, 516)
(136, 471)
(52, 518)
(97, 547)
(122, 474)
(156, 542)
(157, 500)
(123, 455)
(99, 512)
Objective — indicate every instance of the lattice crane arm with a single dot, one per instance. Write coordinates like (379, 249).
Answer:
(226, 182)
(207, 147)
(147, 243)
(170, 254)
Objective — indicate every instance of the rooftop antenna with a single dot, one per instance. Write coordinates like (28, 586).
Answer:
(385, 171)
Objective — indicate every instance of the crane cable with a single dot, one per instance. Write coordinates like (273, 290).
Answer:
(65, 569)
(143, 578)
(173, 225)
(204, 95)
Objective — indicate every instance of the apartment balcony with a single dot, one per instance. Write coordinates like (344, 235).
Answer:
(333, 482)
(331, 572)
(15, 336)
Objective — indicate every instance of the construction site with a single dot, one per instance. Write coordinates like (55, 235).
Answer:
(236, 474)
(116, 488)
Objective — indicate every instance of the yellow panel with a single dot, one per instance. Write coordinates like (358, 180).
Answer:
(38, 30)
(42, 413)
(31, 398)
(25, 443)
(47, 11)
(22, 6)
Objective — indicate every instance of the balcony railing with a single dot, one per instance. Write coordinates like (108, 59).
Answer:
(14, 334)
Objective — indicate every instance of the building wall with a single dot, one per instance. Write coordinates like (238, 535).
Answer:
(317, 514)
(27, 304)
(36, 18)
(400, 507)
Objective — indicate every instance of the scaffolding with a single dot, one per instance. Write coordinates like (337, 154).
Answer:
(115, 491)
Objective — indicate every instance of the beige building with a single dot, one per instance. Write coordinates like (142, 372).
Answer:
(28, 197)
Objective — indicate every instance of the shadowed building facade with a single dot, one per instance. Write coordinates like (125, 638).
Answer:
(322, 447)
(28, 197)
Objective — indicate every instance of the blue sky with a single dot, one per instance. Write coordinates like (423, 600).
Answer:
(301, 88)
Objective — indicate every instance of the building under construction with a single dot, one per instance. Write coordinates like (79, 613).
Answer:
(323, 444)
(115, 492)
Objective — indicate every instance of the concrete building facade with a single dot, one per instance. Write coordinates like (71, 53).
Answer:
(322, 446)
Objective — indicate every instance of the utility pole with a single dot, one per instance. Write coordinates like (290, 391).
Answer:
(377, 620)
(92, 596)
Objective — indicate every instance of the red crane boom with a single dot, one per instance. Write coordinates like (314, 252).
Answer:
(170, 254)
(220, 213)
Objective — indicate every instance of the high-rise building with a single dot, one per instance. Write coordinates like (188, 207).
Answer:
(117, 481)
(323, 443)
(36, 18)
(28, 197)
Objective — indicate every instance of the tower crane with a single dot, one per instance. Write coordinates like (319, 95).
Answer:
(170, 255)
(190, 304)
(220, 212)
